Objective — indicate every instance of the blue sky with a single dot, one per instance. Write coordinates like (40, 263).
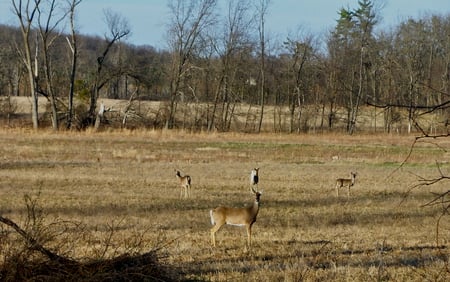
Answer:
(147, 18)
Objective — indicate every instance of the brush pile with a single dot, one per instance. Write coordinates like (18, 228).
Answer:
(37, 263)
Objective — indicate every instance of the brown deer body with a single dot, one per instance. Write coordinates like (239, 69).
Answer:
(345, 182)
(185, 183)
(235, 216)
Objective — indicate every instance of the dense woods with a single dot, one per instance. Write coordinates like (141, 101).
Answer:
(222, 67)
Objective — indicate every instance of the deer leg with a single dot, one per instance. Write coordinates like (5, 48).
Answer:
(213, 233)
(249, 235)
(213, 237)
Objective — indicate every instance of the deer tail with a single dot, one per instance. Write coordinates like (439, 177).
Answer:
(211, 213)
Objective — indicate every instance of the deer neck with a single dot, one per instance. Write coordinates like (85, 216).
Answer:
(255, 207)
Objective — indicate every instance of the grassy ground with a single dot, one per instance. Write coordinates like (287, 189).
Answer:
(116, 192)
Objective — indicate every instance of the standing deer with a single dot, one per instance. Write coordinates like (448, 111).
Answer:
(185, 183)
(235, 216)
(348, 182)
(254, 178)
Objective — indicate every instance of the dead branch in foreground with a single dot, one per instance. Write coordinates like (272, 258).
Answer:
(33, 243)
(58, 268)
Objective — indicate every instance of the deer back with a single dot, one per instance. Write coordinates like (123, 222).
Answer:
(236, 216)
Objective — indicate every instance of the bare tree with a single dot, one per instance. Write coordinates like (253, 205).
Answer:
(118, 29)
(47, 26)
(73, 45)
(26, 13)
(302, 50)
(261, 13)
(190, 19)
(441, 199)
(230, 43)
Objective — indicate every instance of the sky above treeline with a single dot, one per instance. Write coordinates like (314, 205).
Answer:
(148, 18)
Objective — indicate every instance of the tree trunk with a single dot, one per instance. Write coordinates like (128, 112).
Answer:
(74, 51)
(355, 106)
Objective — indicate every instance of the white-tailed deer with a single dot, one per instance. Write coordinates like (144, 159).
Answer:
(235, 216)
(345, 182)
(254, 178)
(185, 183)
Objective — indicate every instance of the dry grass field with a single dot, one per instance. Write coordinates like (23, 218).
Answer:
(99, 195)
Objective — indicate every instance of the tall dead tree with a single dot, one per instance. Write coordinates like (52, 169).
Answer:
(26, 13)
(73, 45)
(262, 11)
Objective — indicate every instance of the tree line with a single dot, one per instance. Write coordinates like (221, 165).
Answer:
(213, 64)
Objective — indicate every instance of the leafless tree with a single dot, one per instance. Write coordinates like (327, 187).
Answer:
(301, 49)
(262, 7)
(73, 45)
(189, 19)
(26, 13)
(48, 22)
(230, 43)
(440, 199)
(118, 29)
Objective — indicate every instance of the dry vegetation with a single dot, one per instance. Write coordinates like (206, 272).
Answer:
(104, 194)
(190, 116)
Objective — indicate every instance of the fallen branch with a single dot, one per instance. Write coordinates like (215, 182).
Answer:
(34, 243)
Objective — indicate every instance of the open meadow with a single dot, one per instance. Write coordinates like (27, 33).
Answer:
(103, 194)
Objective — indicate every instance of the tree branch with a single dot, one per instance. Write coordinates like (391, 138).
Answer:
(34, 244)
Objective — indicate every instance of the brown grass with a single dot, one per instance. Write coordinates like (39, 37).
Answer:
(120, 191)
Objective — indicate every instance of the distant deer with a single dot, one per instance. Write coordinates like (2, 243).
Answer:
(254, 178)
(185, 183)
(235, 216)
(346, 182)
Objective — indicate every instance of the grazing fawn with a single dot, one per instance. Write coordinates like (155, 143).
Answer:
(235, 216)
(345, 182)
(185, 183)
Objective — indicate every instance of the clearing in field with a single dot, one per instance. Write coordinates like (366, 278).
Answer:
(101, 195)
